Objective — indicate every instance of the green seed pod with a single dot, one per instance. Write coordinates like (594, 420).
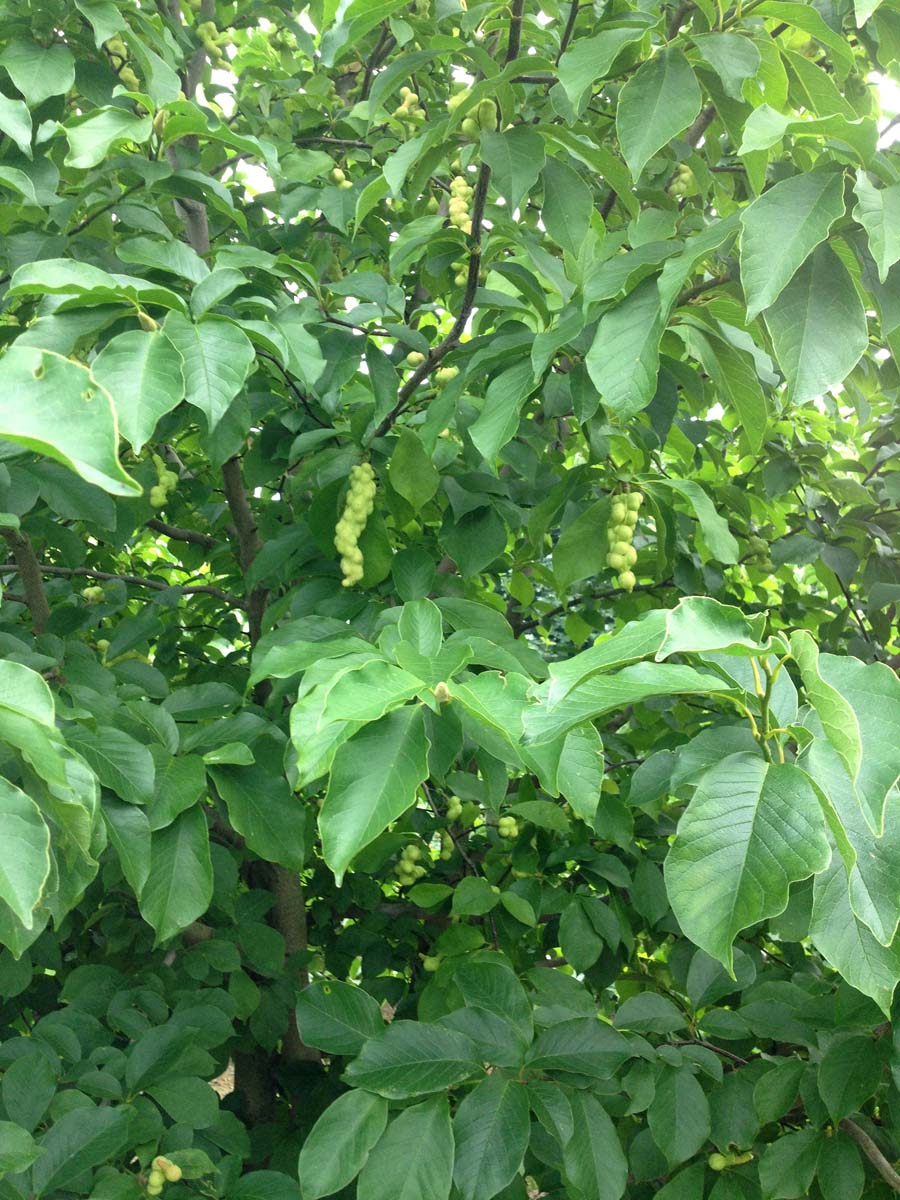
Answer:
(616, 561)
(618, 512)
(156, 1177)
(626, 581)
(470, 127)
(630, 519)
(630, 556)
(634, 500)
(621, 533)
(486, 114)
(620, 548)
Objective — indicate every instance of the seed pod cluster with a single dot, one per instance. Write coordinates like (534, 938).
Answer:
(360, 502)
(341, 179)
(163, 1171)
(622, 556)
(409, 111)
(167, 481)
(447, 846)
(508, 827)
(454, 808)
(209, 37)
(460, 194)
(682, 181)
(484, 117)
(408, 868)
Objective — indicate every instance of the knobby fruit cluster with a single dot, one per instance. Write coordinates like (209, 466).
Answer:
(622, 555)
(167, 481)
(508, 827)
(484, 117)
(162, 1172)
(341, 179)
(360, 502)
(461, 193)
(408, 869)
(409, 111)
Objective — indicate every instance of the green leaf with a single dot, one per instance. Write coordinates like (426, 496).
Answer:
(79, 1140)
(716, 534)
(623, 361)
(340, 1142)
(93, 135)
(732, 56)
(593, 1163)
(849, 1073)
(766, 126)
(751, 830)
(265, 812)
(847, 944)
(878, 211)
(121, 762)
(179, 886)
(516, 158)
(788, 1165)
(679, 1115)
(15, 122)
(735, 377)
(217, 357)
(337, 1017)
(650, 1013)
(373, 781)
(55, 407)
(473, 897)
(412, 1059)
(498, 420)
(412, 473)
(38, 71)
(580, 774)
(655, 105)
(636, 640)
(840, 1174)
(583, 1046)
(18, 1149)
(782, 228)
(414, 1157)
(581, 548)
(859, 707)
(699, 624)
(143, 374)
(588, 59)
(568, 204)
(491, 1130)
(25, 867)
(129, 832)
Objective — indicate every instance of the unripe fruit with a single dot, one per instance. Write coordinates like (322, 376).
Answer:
(145, 321)
(414, 358)
(93, 595)
(621, 533)
(156, 1178)
(616, 561)
(630, 556)
(103, 645)
(634, 500)
(618, 513)
(171, 1170)
(431, 962)
(470, 127)
(454, 808)
(620, 547)
(433, 205)
(154, 1189)
(717, 1162)
(487, 114)
(627, 581)
(338, 175)
(629, 518)
(445, 375)
(158, 496)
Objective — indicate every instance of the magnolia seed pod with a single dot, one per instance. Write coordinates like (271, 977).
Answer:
(338, 175)
(618, 512)
(630, 556)
(626, 581)
(431, 962)
(630, 519)
(616, 561)
(621, 533)
(156, 1177)
(414, 358)
(470, 127)
(717, 1162)
(158, 496)
(487, 114)
(154, 1189)
(171, 1171)
(145, 321)
(634, 500)
(620, 547)
(433, 205)
(441, 692)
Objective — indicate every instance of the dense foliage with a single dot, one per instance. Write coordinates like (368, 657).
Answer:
(449, 477)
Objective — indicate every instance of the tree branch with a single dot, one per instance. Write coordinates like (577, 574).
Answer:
(29, 570)
(872, 1153)
(249, 541)
(434, 356)
(700, 126)
(569, 30)
(155, 585)
(514, 41)
(705, 285)
(605, 594)
(183, 535)
(290, 918)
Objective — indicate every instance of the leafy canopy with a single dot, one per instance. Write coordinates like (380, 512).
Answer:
(520, 820)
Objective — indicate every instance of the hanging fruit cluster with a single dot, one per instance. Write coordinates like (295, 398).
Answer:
(209, 37)
(484, 117)
(682, 181)
(622, 556)
(408, 868)
(117, 50)
(461, 193)
(409, 111)
(341, 179)
(162, 1172)
(445, 375)
(360, 502)
(508, 827)
(167, 481)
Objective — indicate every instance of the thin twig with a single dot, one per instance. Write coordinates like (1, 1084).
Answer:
(700, 126)
(249, 541)
(104, 208)
(293, 386)
(88, 573)
(315, 139)
(872, 1153)
(183, 535)
(464, 854)
(605, 594)
(710, 1046)
(514, 41)
(376, 58)
(705, 285)
(569, 30)
(677, 18)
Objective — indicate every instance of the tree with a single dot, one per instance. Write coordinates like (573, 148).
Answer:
(450, 486)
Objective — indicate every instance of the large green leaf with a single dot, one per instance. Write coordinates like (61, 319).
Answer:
(337, 1017)
(122, 763)
(54, 406)
(179, 886)
(878, 211)
(262, 808)
(412, 1059)
(25, 866)
(679, 1116)
(373, 781)
(847, 944)
(491, 1130)
(818, 326)
(623, 360)
(859, 707)
(38, 71)
(582, 1046)
(80, 1139)
(655, 105)
(414, 1158)
(594, 1165)
(143, 374)
(782, 228)
(217, 357)
(515, 157)
(591, 58)
(340, 1142)
(751, 830)
(849, 1073)
(92, 135)
(567, 207)
(18, 1149)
